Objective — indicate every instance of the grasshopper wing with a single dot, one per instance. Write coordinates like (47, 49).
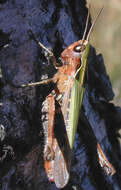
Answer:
(77, 94)
(71, 106)
(61, 169)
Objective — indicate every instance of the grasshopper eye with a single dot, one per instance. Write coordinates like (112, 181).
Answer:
(79, 48)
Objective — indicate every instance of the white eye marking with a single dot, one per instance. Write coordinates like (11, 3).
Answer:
(79, 48)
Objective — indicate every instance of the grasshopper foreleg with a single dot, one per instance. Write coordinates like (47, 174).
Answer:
(50, 53)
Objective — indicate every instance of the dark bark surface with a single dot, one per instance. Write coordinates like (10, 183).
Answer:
(56, 24)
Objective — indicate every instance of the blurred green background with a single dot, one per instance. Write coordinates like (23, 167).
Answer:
(106, 38)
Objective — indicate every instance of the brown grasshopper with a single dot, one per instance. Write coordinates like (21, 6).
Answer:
(69, 92)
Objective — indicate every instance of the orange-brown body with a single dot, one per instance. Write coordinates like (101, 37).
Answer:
(56, 167)
(71, 62)
(55, 163)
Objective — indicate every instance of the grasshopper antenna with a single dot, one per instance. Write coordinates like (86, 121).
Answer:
(87, 22)
(94, 23)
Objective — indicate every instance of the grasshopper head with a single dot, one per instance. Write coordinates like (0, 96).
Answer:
(73, 53)
(75, 50)
(71, 56)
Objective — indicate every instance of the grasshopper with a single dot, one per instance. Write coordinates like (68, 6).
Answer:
(69, 92)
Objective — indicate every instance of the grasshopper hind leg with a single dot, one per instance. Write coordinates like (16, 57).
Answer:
(55, 161)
